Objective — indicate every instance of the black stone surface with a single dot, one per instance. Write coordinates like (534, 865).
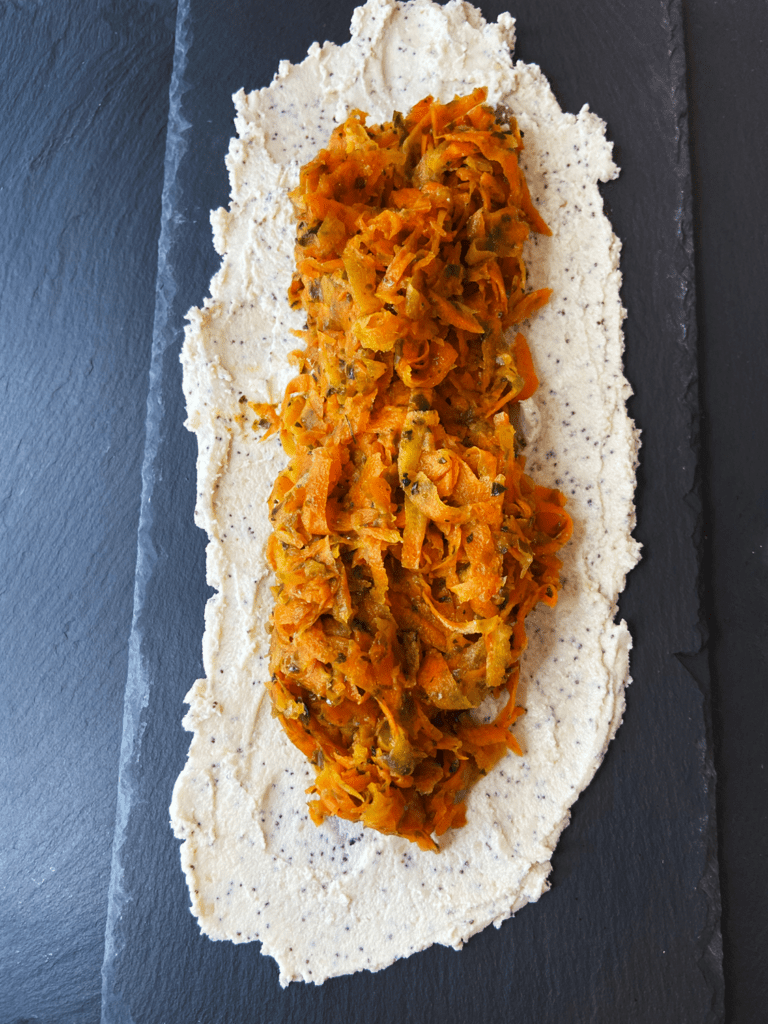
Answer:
(629, 931)
(728, 80)
(83, 111)
(84, 89)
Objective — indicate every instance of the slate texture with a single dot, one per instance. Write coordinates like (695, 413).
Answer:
(83, 112)
(728, 80)
(629, 932)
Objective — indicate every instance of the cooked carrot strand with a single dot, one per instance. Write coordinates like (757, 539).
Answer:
(409, 545)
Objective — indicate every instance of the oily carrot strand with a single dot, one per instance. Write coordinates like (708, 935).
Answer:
(409, 544)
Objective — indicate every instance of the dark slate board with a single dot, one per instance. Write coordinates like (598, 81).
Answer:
(731, 212)
(630, 930)
(82, 125)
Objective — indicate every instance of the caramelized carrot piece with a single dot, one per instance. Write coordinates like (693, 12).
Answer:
(409, 544)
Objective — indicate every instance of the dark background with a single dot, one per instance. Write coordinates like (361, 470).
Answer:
(84, 91)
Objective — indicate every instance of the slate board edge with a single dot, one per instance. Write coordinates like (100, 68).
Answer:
(696, 662)
(113, 1009)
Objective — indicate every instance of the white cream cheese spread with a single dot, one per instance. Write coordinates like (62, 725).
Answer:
(336, 899)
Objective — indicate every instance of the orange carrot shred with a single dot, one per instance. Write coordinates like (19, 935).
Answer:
(409, 544)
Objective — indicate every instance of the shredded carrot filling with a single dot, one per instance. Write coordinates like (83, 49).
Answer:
(409, 544)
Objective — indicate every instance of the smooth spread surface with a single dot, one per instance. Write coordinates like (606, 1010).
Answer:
(336, 899)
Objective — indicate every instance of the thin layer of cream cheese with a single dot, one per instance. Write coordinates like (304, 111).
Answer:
(337, 899)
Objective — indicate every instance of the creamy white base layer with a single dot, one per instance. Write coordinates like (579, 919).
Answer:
(338, 899)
